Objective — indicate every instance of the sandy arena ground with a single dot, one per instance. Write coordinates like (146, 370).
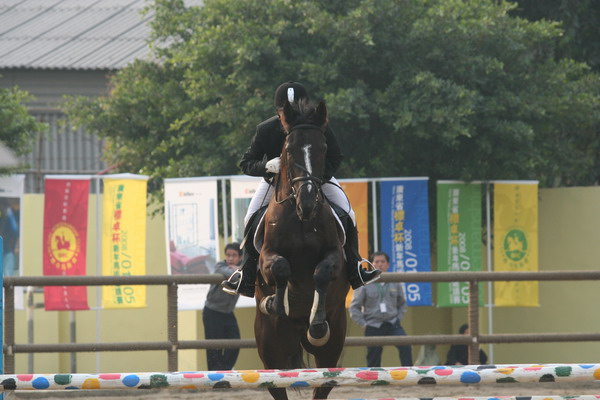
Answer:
(507, 389)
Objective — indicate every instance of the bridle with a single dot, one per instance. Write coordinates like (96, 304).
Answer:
(306, 179)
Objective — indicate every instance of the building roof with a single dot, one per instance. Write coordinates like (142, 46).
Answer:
(72, 34)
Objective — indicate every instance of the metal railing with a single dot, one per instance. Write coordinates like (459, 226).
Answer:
(172, 345)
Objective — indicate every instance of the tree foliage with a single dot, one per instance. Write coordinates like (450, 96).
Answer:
(579, 39)
(580, 23)
(17, 127)
(450, 89)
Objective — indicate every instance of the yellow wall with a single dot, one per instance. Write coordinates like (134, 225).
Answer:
(569, 218)
(145, 324)
(569, 237)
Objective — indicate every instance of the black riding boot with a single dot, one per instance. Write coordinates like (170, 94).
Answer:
(242, 281)
(356, 274)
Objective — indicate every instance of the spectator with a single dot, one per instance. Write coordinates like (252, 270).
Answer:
(218, 317)
(459, 353)
(379, 309)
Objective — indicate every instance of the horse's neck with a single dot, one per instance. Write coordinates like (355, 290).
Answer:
(284, 186)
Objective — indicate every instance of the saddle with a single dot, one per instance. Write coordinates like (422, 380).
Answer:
(255, 229)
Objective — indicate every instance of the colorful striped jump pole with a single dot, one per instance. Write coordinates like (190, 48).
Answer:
(398, 376)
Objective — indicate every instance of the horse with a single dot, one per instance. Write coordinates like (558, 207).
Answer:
(301, 288)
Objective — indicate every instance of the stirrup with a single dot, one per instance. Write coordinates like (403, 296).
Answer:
(370, 269)
(231, 286)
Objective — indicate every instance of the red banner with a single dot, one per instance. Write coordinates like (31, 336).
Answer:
(65, 237)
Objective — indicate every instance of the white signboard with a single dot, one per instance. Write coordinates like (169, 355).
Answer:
(191, 218)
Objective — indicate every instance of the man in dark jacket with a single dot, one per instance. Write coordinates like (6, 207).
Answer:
(262, 159)
(459, 353)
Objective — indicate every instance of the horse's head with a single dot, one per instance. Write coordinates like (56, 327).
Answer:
(304, 152)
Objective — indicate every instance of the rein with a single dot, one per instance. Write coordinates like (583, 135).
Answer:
(306, 179)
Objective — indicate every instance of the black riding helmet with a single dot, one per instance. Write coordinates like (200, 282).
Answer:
(291, 91)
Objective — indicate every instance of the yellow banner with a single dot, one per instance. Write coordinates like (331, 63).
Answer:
(516, 241)
(124, 238)
(358, 194)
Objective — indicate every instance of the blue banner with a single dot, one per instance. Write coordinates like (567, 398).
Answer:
(404, 212)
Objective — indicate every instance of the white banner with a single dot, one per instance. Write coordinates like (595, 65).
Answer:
(242, 189)
(12, 188)
(191, 218)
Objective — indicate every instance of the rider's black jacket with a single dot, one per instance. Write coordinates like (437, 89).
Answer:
(268, 143)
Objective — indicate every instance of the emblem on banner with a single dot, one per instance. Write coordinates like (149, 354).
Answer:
(515, 245)
(63, 246)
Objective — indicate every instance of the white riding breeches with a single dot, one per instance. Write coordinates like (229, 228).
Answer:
(331, 190)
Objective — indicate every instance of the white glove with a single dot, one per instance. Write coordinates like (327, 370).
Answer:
(273, 165)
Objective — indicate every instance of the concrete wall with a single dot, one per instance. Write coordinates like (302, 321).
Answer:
(569, 218)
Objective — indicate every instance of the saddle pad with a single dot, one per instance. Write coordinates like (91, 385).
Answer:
(259, 233)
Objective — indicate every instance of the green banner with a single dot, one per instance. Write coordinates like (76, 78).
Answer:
(459, 235)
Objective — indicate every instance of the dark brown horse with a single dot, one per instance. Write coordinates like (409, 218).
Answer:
(302, 287)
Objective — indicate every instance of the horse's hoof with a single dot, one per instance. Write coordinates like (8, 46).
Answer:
(318, 334)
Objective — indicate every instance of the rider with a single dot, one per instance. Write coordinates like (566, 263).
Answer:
(262, 159)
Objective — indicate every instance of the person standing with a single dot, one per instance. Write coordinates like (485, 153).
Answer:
(218, 317)
(379, 309)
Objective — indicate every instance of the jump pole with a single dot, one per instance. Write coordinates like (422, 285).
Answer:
(583, 397)
(318, 377)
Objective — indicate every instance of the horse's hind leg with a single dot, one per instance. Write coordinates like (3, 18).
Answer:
(278, 393)
(328, 355)
(278, 343)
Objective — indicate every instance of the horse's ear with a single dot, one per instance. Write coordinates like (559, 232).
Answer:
(321, 112)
